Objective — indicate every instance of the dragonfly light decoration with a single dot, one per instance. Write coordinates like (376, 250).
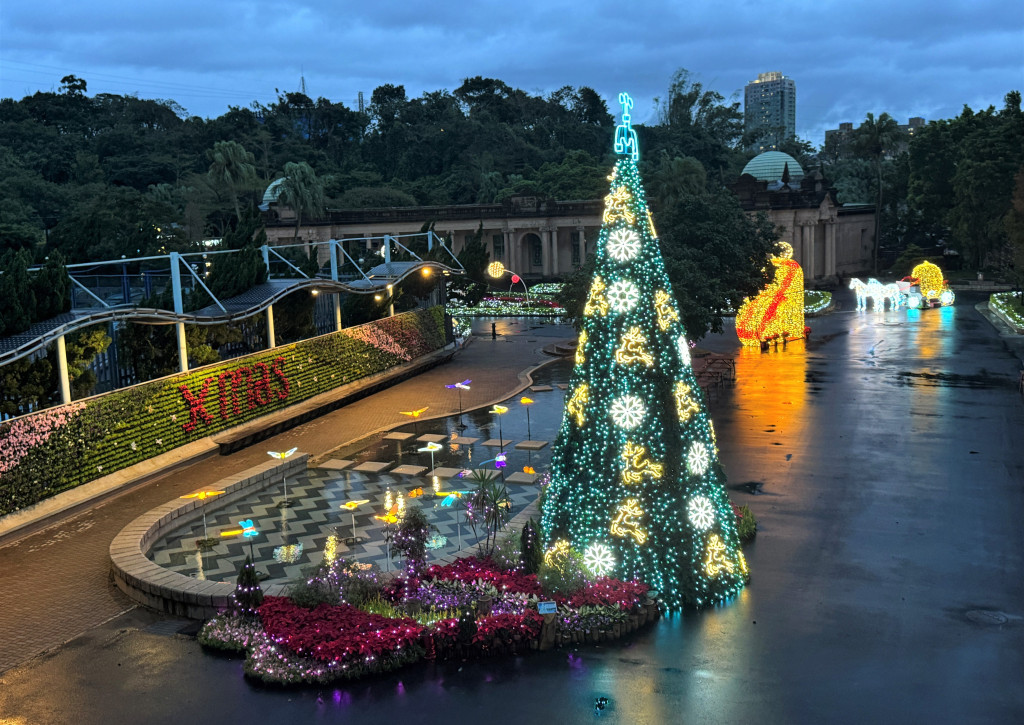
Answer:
(464, 385)
(526, 403)
(248, 531)
(202, 496)
(430, 448)
(352, 506)
(416, 492)
(283, 456)
(450, 497)
(415, 415)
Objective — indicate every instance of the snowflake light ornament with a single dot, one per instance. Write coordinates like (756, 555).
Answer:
(628, 411)
(684, 350)
(623, 295)
(701, 513)
(598, 559)
(698, 459)
(623, 244)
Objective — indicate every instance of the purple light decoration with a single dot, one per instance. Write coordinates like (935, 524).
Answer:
(499, 461)
(464, 385)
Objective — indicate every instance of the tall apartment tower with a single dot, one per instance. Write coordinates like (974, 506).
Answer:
(769, 103)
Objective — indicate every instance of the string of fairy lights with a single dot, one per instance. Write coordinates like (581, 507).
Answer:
(635, 481)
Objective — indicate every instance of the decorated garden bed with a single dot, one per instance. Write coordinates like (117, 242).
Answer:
(348, 620)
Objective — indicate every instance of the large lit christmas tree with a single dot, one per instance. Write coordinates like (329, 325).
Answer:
(635, 481)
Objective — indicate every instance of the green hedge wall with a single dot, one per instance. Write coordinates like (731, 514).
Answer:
(60, 448)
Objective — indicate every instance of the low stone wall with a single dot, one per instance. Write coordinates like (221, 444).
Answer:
(168, 591)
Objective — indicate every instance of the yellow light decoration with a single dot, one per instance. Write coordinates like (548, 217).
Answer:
(743, 563)
(650, 223)
(626, 521)
(202, 495)
(496, 269)
(331, 549)
(632, 348)
(401, 507)
(716, 557)
(415, 413)
(558, 550)
(929, 280)
(667, 314)
(525, 401)
(637, 464)
(596, 301)
(578, 403)
(498, 410)
(354, 504)
(778, 310)
(686, 404)
(580, 347)
(281, 455)
(617, 205)
(389, 500)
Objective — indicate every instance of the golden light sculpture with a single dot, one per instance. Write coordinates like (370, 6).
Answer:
(717, 558)
(617, 206)
(496, 270)
(686, 404)
(931, 286)
(633, 348)
(578, 402)
(596, 300)
(626, 521)
(637, 464)
(667, 314)
(581, 346)
(778, 310)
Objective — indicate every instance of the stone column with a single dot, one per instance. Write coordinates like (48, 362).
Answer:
(553, 235)
(809, 269)
(830, 248)
(581, 240)
(507, 257)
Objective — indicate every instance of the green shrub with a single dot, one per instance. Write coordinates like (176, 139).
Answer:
(310, 593)
(508, 555)
(529, 543)
(746, 524)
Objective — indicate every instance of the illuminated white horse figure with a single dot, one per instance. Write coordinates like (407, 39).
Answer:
(878, 293)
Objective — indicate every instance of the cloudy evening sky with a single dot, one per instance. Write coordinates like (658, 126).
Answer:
(906, 57)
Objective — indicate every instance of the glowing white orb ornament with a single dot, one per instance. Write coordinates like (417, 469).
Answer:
(598, 559)
(698, 459)
(701, 513)
(623, 244)
(628, 411)
(623, 295)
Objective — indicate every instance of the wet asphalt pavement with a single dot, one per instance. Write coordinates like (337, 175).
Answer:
(883, 461)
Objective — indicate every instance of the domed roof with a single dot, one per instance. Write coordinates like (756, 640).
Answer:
(270, 195)
(770, 165)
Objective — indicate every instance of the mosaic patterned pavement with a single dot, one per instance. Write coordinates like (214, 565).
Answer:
(315, 515)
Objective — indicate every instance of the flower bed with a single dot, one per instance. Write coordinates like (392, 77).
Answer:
(1007, 306)
(57, 449)
(816, 301)
(292, 644)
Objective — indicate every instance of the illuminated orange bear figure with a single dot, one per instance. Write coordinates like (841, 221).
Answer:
(779, 308)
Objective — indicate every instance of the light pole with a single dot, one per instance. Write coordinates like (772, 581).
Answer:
(497, 270)
(283, 456)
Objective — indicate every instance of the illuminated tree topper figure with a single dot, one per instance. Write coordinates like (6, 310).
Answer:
(636, 446)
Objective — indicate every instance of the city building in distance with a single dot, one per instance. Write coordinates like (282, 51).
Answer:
(769, 107)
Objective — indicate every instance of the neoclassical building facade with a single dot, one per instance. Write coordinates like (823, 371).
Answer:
(535, 238)
(830, 240)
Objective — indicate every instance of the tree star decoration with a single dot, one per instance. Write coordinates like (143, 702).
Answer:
(628, 411)
(716, 557)
(667, 314)
(684, 350)
(626, 521)
(637, 464)
(581, 345)
(698, 460)
(577, 403)
(685, 403)
(701, 513)
(633, 349)
(617, 206)
(598, 559)
(623, 244)
(623, 295)
(596, 301)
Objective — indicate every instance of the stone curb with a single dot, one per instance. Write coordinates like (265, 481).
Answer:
(170, 592)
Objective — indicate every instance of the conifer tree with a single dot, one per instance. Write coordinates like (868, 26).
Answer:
(635, 481)
(248, 594)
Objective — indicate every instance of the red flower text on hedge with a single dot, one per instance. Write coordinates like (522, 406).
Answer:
(248, 385)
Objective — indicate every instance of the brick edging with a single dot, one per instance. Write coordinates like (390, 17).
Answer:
(167, 591)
